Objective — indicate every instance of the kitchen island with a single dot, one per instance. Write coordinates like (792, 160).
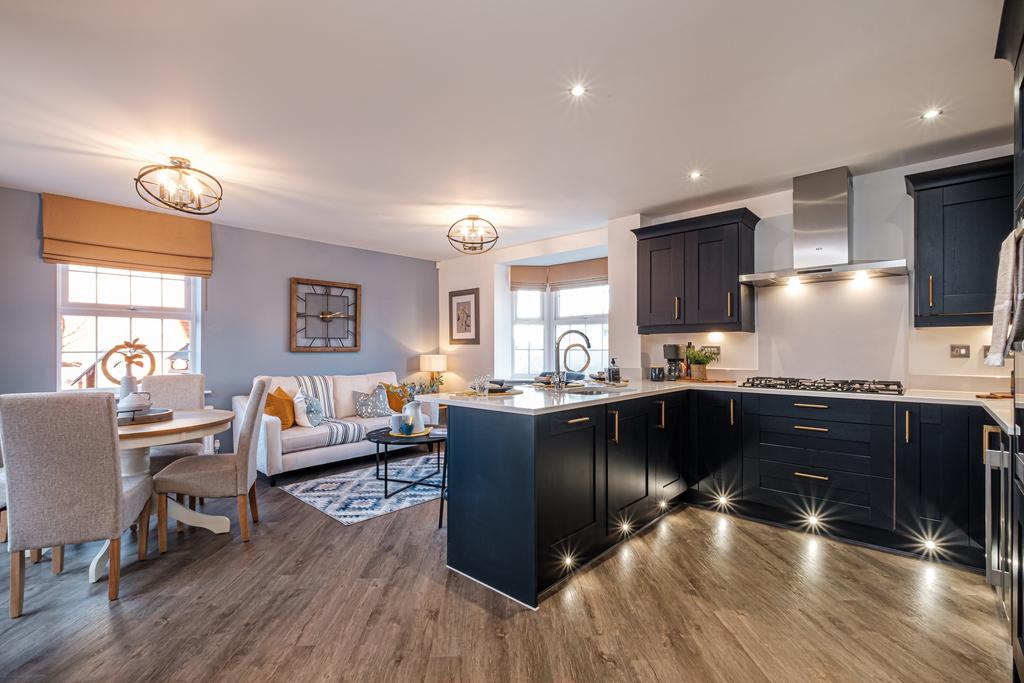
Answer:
(541, 483)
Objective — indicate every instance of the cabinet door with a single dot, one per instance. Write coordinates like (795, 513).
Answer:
(712, 275)
(628, 465)
(933, 473)
(668, 426)
(716, 462)
(660, 280)
(959, 231)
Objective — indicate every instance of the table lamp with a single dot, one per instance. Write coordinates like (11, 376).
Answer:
(435, 364)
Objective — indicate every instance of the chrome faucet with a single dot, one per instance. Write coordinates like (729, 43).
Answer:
(558, 381)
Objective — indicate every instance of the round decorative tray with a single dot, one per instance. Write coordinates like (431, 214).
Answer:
(141, 417)
(415, 434)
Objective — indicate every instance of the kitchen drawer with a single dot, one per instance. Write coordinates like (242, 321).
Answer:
(819, 408)
(844, 446)
(573, 420)
(831, 495)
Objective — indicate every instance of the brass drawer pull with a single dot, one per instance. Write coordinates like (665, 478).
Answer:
(906, 426)
(732, 412)
(615, 434)
(662, 404)
(810, 405)
(931, 297)
(810, 476)
(810, 429)
(728, 304)
(677, 308)
(577, 420)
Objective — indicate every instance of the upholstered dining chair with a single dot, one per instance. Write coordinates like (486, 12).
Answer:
(218, 476)
(64, 482)
(178, 392)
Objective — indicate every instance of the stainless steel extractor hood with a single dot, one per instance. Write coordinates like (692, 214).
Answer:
(823, 236)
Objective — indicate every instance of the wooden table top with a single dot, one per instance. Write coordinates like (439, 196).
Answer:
(183, 421)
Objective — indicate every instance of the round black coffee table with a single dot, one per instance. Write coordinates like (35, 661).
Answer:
(382, 437)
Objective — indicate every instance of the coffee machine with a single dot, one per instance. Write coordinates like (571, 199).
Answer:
(675, 356)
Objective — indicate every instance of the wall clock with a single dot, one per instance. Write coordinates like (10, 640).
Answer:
(324, 315)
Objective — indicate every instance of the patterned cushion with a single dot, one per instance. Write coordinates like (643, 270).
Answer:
(329, 433)
(308, 410)
(373, 404)
(320, 388)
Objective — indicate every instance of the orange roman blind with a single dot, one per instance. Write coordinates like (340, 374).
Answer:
(528, 277)
(94, 234)
(578, 274)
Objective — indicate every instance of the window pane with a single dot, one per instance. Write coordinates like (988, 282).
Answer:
(528, 336)
(536, 362)
(78, 370)
(81, 287)
(176, 334)
(149, 332)
(582, 301)
(174, 293)
(112, 289)
(529, 304)
(521, 363)
(111, 331)
(78, 333)
(146, 292)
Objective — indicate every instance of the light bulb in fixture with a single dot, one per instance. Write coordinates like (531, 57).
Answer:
(931, 114)
(578, 90)
(695, 175)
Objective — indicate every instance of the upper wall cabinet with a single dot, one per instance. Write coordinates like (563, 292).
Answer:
(688, 274)
(961, 216)
(1008, 47)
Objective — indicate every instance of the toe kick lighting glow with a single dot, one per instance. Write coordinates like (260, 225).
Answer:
(812, 520)
(723, 501)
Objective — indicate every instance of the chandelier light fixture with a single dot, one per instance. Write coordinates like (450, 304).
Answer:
(472, 235)
(180, 187)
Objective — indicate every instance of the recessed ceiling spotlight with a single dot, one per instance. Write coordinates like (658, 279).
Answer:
(931, 114)
(695, 174)
(578, 90)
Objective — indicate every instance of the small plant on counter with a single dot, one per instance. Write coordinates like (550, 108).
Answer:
(698, 360)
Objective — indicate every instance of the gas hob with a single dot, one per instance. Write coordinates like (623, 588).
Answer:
(842, 386)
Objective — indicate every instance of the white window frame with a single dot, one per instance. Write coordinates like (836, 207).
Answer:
(193, 295)
(550, 318)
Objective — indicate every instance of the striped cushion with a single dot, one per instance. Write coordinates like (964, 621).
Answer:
(320, 388)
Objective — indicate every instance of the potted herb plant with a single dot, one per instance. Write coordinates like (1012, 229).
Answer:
(698, 360)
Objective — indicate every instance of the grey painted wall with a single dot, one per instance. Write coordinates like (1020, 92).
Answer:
(28, 298)
(245, 317)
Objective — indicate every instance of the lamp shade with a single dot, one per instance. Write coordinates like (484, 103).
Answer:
(433, 363)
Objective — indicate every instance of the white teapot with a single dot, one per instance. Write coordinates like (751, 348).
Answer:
(137, 401)
(414, 409)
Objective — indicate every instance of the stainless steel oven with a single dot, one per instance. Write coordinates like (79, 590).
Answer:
(1014, 594)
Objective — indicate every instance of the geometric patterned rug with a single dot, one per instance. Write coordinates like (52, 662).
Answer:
(357, 495)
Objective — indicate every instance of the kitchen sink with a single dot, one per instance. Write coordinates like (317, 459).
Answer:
(587, 391)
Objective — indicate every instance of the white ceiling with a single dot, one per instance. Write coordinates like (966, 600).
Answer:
(378, 123)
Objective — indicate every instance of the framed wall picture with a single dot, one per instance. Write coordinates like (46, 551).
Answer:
(324, 316)
(464, 317)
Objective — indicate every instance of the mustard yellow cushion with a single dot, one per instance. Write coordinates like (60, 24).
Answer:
(281, 406)
(398, 396)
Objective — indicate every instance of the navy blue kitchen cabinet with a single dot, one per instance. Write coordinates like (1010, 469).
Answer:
(715, 462)
(961, 216)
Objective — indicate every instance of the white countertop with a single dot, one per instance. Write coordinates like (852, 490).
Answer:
(534, 401)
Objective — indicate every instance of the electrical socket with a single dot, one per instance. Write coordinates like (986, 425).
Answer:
(717, 350)
(959, 350)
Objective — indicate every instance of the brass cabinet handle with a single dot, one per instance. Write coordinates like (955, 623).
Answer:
(615, 434)
(677, 307)
(906, 426)
(931, 292)
(732, 412)
(810, 476)
(662, 404)
(987, 431)
(810, 405)
(728, 304)
(577, 420)
(810, 429)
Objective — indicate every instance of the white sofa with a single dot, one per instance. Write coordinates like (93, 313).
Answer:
(282, 451)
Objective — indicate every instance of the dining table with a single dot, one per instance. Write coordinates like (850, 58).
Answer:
(135, 440)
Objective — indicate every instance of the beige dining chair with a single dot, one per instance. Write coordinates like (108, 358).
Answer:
(218, 476)
(178, 392)
(64, 482)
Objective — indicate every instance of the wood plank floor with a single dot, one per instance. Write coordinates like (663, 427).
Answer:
(698, 596)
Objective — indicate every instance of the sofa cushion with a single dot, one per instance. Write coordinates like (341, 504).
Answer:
(320, 387)
(280, 405)
(329, 433)
(371, 423)
(345, 385)
(373, 404)
(398, 395)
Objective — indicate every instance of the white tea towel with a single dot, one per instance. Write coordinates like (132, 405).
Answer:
(1002, 309)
